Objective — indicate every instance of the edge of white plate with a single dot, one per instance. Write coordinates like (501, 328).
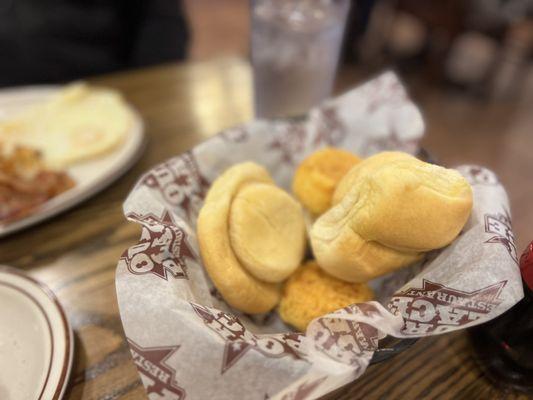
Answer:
(66, 367)
(76, 195)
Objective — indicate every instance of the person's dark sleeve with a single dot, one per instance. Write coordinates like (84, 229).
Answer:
(160, 33)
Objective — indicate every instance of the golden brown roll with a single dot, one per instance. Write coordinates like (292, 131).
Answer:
(310, 293)
(351, 258)
(389, 209)
(363, 168)
(267, 231)
(244, 228)
(317, 176)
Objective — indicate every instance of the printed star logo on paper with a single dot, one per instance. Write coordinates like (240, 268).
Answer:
(435, 308)
(180, 183)
(238, 340)
(499, 225)
(162, 250)
(331, 131)
(233, 351)
(345, 340)
(158, 377)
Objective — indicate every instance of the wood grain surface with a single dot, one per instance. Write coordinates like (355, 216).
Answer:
(76, 253)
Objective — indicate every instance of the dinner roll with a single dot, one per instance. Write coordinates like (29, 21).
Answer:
(394, 207)
(351, 258)
(243, 228)
(363, 168)
(267, 231)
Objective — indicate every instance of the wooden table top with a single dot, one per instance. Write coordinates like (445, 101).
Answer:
(76, 253)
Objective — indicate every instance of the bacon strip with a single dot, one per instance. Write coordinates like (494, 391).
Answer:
(25, 183)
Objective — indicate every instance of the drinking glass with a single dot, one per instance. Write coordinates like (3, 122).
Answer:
(295, 51)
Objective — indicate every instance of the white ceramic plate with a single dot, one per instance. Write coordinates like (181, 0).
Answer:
(36, 343)
(90, 176)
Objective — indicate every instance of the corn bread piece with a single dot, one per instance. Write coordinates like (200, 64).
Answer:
(310, 293)
(317, 176)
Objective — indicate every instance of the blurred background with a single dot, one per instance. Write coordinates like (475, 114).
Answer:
(482, 47)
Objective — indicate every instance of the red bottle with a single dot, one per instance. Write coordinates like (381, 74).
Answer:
(504, 346)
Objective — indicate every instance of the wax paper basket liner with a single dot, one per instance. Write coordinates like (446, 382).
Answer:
(187, 343)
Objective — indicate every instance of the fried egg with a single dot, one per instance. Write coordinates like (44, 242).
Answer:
(76, 124)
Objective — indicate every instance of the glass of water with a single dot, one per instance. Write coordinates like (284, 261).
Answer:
(295, 50)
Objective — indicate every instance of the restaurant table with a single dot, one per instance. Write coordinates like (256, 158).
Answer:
(76, 253)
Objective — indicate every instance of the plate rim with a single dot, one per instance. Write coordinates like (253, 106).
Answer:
(66, 365)
(61, 206)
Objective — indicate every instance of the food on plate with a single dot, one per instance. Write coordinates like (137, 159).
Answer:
(77, 123)
(310, 293)
(317, 176)
(25, 183)
(389, 209)
(251, 235)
